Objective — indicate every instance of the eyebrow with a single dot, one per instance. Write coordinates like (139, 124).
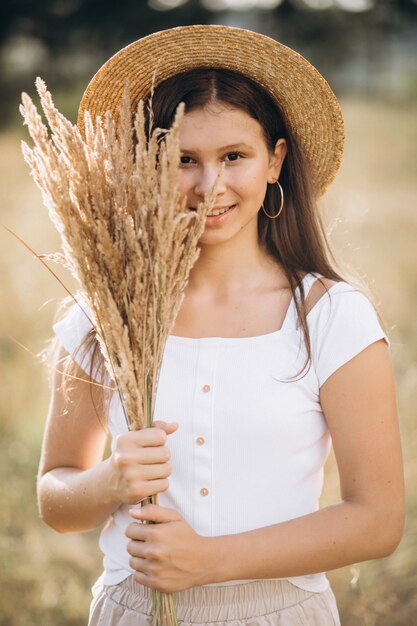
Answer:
(233, 146)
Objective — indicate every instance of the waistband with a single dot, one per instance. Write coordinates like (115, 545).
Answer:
(212, 604)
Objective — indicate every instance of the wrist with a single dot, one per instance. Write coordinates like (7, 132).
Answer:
(215, 560)
(110, 493)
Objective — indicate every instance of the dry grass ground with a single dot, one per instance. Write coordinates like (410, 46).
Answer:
(370, 210)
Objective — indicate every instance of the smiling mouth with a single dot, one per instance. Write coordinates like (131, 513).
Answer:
(218, 211)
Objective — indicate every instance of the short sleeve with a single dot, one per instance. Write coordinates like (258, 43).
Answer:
(71, 331)
(341, 324)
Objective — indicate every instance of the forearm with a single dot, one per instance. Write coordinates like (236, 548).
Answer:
(333, 537)
(72, 500)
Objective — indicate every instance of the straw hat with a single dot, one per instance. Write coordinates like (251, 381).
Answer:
(309, 104)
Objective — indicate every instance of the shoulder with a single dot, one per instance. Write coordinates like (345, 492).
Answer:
(319, 288)
(74, 331)
(327, 296)
(342, 322)
(75, 318)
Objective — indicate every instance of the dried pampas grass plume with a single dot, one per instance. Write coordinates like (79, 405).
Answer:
(127, 237)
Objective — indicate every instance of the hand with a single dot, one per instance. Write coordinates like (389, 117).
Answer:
(168, 555)
(139, 466)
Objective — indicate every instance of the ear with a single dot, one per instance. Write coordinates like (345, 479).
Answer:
(276, 160)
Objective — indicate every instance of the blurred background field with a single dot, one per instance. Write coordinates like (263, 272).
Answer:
(370, 213)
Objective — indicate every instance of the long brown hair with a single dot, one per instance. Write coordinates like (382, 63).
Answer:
(297, 238)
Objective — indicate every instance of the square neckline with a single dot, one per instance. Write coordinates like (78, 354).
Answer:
(286, 327)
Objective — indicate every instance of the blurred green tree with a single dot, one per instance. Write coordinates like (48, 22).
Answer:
(65, 41)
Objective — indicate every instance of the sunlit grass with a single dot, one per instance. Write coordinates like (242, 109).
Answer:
(45, 577)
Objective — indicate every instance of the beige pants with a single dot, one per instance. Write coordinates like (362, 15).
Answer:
(259, 603)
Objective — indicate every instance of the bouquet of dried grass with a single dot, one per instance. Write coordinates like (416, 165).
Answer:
(126, 236)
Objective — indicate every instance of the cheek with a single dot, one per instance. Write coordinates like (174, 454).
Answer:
(252, 173)
(185, 183)
(250, 183)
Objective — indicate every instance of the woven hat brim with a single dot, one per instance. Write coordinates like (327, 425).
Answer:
(309, 104)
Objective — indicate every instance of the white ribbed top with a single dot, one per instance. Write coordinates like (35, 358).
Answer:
(251, 444)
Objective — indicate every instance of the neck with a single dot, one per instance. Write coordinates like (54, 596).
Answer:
(231, 268)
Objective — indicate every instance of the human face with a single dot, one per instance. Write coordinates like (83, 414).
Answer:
(219, 134)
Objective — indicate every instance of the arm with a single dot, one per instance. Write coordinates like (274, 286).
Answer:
(358, 401)
(77, 490)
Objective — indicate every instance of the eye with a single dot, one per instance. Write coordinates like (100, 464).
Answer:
(234, 154)
(184, 162)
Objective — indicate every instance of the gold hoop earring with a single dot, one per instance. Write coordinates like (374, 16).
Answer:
(281, 206)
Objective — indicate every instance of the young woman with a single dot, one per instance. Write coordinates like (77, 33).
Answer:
(273, 356)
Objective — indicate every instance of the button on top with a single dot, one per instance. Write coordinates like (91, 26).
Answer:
(204, 491)
(200, 440)
(206, 388)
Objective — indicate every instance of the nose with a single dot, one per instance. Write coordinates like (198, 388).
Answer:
(206, 179)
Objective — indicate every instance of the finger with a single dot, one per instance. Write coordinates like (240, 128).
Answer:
(154, 487)
(134, 494)
(152, 455)
(136, 549)
(151, 488)
(154, 513)
(169, 427)
(136, 531)
(156, 471)
(138, 564)
(151, 436)
(142, 579)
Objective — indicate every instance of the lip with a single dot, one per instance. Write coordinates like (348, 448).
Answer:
(215, 208)
(212, 220)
